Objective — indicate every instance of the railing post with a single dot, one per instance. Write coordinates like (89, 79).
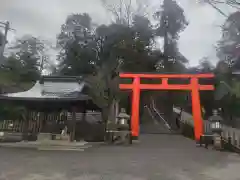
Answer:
(135, 107)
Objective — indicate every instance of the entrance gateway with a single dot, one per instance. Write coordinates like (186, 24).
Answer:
(193, 86)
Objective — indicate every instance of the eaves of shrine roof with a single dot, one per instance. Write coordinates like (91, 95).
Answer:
(63, 88)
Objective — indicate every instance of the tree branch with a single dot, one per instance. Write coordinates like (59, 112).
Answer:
(219, 10)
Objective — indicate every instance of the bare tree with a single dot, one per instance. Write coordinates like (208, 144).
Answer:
(215, 3)
(123, 11)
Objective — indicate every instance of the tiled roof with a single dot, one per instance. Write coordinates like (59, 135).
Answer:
(51, 89)
(62, 89)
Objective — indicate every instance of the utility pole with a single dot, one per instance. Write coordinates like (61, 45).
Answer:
(6, 26)
(165, 49)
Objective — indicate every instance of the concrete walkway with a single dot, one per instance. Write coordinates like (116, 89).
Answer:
(156, 157)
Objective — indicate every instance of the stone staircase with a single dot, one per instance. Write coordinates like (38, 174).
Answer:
(153, 123)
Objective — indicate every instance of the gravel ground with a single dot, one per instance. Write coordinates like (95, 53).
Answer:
(156, 157)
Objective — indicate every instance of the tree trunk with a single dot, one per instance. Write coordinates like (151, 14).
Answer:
(116, 109)
(105, 114)
(168, 65)
(108, 113)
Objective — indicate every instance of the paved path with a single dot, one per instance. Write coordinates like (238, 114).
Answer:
(154, 158)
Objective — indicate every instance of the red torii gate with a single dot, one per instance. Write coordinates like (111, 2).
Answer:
(194, 87)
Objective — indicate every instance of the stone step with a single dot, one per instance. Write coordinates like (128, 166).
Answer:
(61, 145)
(63, 148)
(72, 147)
(48, 146)
(154, 129)
(58, 149)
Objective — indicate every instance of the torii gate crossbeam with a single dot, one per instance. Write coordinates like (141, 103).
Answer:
(194, 87)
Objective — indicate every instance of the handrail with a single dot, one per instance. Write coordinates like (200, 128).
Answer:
(155, 109)
(150, 113)
(228, 132)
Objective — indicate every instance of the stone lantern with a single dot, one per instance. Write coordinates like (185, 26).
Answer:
(123, 121)
(216, 128)
(216, 122)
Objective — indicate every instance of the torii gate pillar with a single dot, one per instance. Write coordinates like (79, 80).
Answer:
(194, 87)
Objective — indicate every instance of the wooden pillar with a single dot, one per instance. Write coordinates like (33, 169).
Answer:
(25, 125)
(196, 109)
(82, 130)
(41, 121)
(73, 125)
(135, 107)
(84, 111)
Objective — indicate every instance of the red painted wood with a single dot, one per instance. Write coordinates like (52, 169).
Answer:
(194, 87)
(135, 107)
(170, 87)
(128, 75)
(126, 86)
(196, 110)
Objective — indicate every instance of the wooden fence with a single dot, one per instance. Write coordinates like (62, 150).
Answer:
(34, 124)
(229, 134)
(38, 120)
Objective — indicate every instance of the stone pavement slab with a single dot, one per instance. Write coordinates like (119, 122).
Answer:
(48, 145)
(156, 157)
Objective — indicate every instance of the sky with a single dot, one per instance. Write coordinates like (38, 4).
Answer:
(43, 18)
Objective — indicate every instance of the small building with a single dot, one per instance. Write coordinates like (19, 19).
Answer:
(52, 104)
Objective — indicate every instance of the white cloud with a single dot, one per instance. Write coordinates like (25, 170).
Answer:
(44, 18)
(203, 32)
